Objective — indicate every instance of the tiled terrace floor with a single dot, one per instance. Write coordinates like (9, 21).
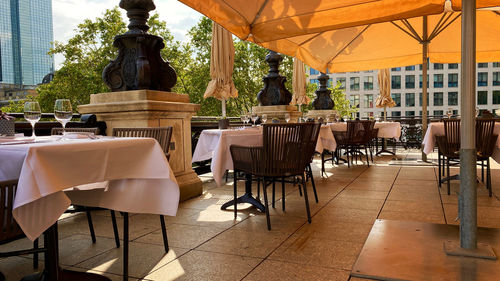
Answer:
(207, 244)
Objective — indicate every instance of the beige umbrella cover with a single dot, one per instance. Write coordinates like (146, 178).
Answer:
(384, 83)
(221, 86)
(299, 84)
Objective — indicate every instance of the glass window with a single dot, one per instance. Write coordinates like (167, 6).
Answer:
(368, 83)
(496, 78)
(396, 69)
(453, 66)
(342, 82)
(438, 80)
(410, 113)
(420, 82)
(354, 84)
(397, 99)
(438, 98)
(410, 99)
(496, 64)
(396, 114)
(420, 99)
(410, 81)
(438, 113)
(482, 65)
(368, 102)
(438, 66)
(313, 71)
(453, 80)
(396, 82)
(420, 65)
(482, 79)
(315, 81)
(496, 97)
(354, 99)
(410, 68)
(482, 97)
(452, 98)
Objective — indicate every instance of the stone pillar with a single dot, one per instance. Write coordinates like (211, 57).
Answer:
(148, 108)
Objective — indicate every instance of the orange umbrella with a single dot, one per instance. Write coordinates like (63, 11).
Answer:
(384, 99)
(299, 84)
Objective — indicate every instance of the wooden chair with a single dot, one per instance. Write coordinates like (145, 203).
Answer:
(59, 131)
(485, 146)
(348, 140)
(287, 150)
(449, 145)
(10, 230)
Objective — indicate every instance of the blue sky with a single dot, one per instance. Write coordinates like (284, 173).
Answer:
(67, 14)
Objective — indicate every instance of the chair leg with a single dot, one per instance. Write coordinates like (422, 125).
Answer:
(310, 172)
(264, 190)
(306, 199)
(482, 170)
(323, 163)
(448, 174)
(235, 187)
(439, 169)
(283, 193)
(115, 229)
(274, 191)
(367, 159)
(300, 190)
(125, 246)
(91, 225)
(35, 255)
(164, 233)
(258, 188)
(488, 177)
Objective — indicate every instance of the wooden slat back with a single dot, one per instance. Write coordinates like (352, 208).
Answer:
(162, 134)
(10, 229)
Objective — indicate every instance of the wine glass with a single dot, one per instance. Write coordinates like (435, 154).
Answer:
(337, 118)
(449, 113)
(477, 111)
(63, 112)
(287, 117)
(327, 118)
(377, 118)
(264, 118)
(32, 114)
(254, 118)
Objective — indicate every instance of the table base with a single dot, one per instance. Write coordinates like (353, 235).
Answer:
(247, 197)
(64, 274)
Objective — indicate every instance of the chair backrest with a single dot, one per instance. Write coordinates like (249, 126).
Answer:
(452, 131)
(485, 142)
(9, 230)
(367, 134)
(287, 147)
(160, 134)
(59, 131)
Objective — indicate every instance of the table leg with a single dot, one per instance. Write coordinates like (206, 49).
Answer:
(247, 197)
(384, 148)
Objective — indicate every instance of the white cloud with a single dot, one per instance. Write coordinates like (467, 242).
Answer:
(67, 14)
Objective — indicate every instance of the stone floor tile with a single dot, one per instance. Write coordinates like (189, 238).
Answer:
(437, 217)
(339, 231)
(413, 206)
(284, 224)
(361, 184)
(113, 277)
(356, 203)
(328, 215)
(15, 268)
(365, 194)
(413, 195)
(78, 248)
(200, 265)
(217, 218)
(282, 271)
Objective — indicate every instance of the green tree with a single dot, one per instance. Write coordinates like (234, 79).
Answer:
(342, 104)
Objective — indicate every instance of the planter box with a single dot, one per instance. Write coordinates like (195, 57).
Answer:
(7, 127)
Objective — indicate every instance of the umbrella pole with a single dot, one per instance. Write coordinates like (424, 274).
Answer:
(425, 46)
(223, 108)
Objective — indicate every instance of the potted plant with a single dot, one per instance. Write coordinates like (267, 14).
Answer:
(7, 125)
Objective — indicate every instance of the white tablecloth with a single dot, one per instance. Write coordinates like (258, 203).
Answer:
(132, 175)
(214, 144)
(437, 129)
(385, 129)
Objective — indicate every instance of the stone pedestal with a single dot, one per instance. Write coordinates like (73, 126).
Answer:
(147, 108)
(277, 111)
(322, 114)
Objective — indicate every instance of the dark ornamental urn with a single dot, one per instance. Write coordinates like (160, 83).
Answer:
(139, 65)
(323, 99)
(274, 91)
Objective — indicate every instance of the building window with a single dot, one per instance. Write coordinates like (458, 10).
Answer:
(354, 84)
(410, 81)
(354, 99)
(496, 97)
(397, 99)
(396, 114)
(395, 82)
(496, 64)
(438, 80)
(496, 78)
(453, 80)
(420, 99)
(452, 98)
(453, 66)
(482, 79)
(410, 113)
(313, 71)
(410, 99)
(330, 82)
(396, 69)
(438, 113)
(482, 97)
(368, 83)
(420, 82)
(316, 81)
(482, 65)
(438, 99)
(410, 68)
(341, 80)
(420, 112)
(438, 66)
(368, 101)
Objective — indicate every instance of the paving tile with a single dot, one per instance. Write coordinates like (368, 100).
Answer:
(356, 203)
(413, 195)
(283, 271)
(113, 277)
(216, 218)
(329, 215)
(411, 216)
(413, 206)
(339, 231)
(365, 194)
(78, 248)
(15, 268)
(245, 243)
(200, 265)
(284, 224)
(361, 184)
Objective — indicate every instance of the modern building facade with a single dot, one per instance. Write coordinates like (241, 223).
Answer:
(26, 33)
(406, 89)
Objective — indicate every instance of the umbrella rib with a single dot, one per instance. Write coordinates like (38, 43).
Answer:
(348, 44)
(320, 33)
(407, 32)
(438, 25)
(258, 14)
(444, 27)
(410, 27)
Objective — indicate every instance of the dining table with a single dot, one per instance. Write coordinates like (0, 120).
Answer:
(122, 174)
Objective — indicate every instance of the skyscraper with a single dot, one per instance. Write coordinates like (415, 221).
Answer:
(26, 34)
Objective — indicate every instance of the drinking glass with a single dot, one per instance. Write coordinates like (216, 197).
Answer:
(449, 113)
(477, 111)
(254, 118)
(328, 117)
(32, 114)
(264, 118)
(63, 112)
(377, 118)
(287, 117)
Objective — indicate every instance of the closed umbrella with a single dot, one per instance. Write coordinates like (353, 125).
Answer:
(384, 100)
(299, 84)
(221, 86)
